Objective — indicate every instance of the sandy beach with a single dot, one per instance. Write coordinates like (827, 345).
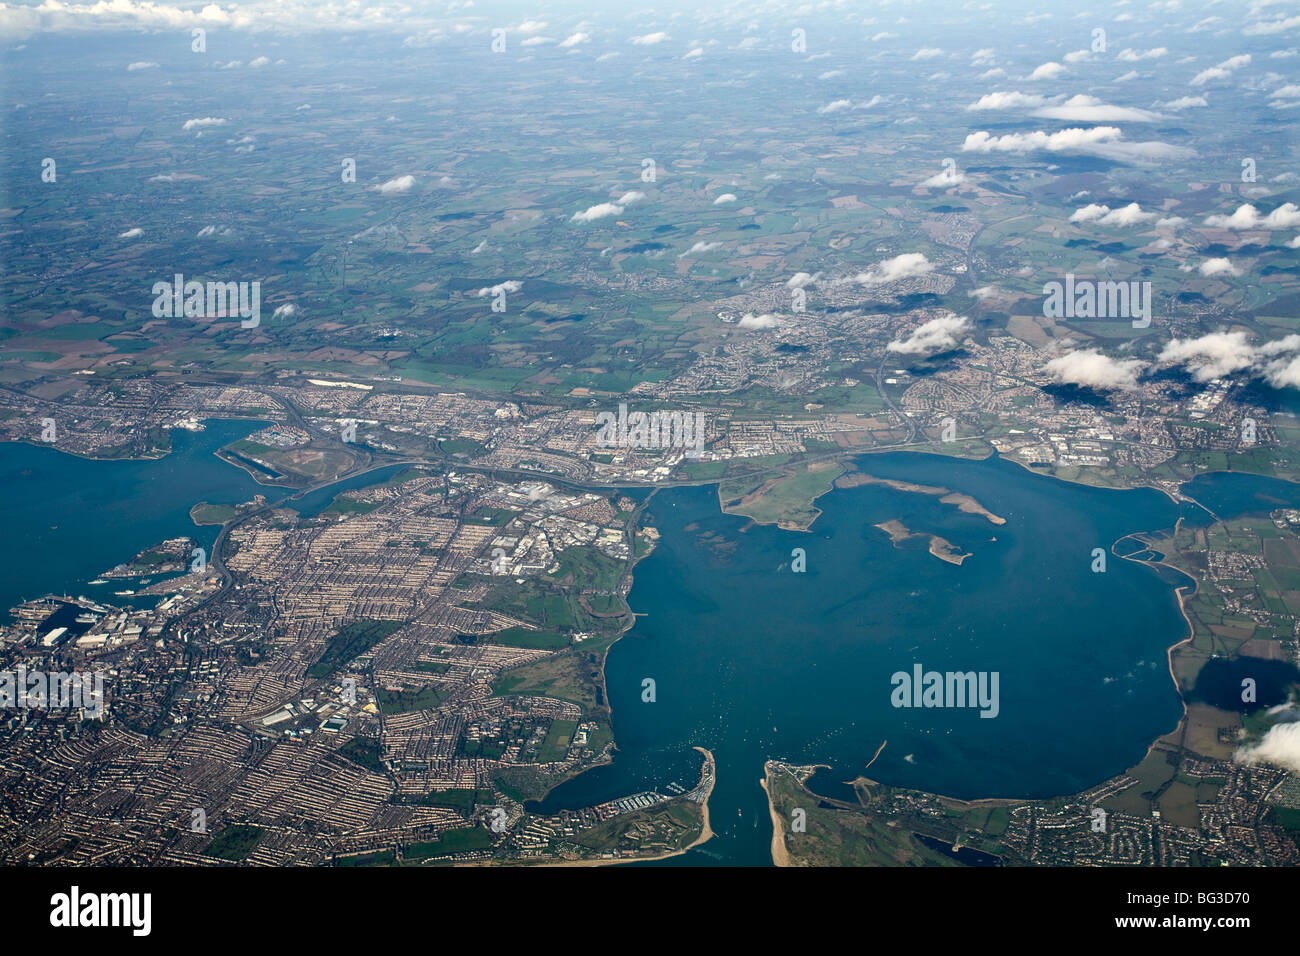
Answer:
(780, 856)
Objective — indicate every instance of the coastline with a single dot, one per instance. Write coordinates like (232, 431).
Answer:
(708, 779)
(780, 855)
(785, 472)
(1182, 593)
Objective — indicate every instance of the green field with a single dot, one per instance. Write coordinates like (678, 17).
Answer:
(351, 641)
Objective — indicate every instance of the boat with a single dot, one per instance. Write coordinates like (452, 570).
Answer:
(123, 593)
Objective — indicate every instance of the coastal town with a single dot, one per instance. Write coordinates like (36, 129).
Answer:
(362, 693)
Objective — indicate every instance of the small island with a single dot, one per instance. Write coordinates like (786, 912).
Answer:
(947, 496)
(941, 548)
(205, 513)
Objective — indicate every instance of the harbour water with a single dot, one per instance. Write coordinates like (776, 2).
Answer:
(754, 660)
(69, 519)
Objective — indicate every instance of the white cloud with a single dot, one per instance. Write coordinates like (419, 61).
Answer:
(1133, 56)
(1280, 745)
(694, 54)
(944, 178)
(141, 65)
(1089, 109)
(1184, 103)
(700, 247)
(800, 279)
(1007, 100)
(1218, 267)
(1130, 215)
(1285, 216)
(650, 39)
(424, 39)
(1047, 71)
(927, 53)
(510, 285)
(932, 337)
(906, 266)
(1213, 73)
(260, 62)
(1222, 71)
(1286, 344)
(1222, 353)
(724, 198)
(765, 321)
(1105, 141)
(604, 209)
(401, 184)
(1266, 27)
(598, 211)
(575, 39)
(1283, 372)
(835, 106)
(1209, 356)
(53, 16)
(1089, 368)
(204, 122)
(133, 233)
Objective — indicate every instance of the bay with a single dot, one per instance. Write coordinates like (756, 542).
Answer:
(69, 519)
